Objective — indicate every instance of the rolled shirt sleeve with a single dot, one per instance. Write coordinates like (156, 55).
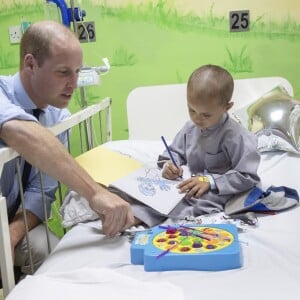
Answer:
(11, 111)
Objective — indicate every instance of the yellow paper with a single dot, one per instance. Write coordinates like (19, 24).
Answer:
(106, 166)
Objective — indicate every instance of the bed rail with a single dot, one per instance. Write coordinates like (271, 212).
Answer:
(95, 127)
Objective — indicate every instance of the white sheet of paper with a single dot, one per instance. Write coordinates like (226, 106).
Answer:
(148, 186)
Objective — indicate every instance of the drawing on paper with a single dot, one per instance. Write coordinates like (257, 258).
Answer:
(151, 181)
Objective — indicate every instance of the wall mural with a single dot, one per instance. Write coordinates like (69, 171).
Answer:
(158, 42)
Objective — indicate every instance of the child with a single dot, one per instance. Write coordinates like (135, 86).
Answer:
(221, 154)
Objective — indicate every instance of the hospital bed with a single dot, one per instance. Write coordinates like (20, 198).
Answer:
(88, 265)
(93, 127)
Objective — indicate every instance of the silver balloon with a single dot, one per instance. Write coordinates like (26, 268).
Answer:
(275, 118)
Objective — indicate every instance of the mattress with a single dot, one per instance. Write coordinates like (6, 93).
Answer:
(270, 253)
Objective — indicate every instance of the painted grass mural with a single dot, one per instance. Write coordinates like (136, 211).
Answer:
(157, 42)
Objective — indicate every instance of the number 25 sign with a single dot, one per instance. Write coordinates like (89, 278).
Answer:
(239, 20)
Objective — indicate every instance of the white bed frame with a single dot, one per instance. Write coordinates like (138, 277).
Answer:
(6, 154)
(149, 118)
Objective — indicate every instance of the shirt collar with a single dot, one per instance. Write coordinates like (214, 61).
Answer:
(209, 130)
(21, 95)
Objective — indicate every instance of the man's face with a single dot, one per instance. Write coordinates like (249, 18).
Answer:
(54, 82)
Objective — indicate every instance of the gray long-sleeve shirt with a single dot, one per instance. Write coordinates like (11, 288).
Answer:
(228, 152)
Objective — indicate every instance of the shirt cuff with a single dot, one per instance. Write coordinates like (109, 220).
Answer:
(212, 182)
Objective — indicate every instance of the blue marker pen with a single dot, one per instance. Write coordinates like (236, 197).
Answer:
(170, 153)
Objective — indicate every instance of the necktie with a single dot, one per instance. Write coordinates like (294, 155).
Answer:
(25, 176)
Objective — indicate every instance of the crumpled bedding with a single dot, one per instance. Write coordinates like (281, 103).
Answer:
(76, 209)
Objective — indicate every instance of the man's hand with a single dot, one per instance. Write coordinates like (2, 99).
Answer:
(115, 213)
(193, 187)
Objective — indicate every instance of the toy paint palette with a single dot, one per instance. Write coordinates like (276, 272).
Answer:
(187, 247)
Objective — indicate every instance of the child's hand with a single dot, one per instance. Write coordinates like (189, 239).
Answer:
(193, 187)
(170, 171)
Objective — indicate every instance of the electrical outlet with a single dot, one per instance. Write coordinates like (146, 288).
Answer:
(15, 34)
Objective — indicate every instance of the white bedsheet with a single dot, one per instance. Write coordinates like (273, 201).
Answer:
(92, 284)
(271, 255)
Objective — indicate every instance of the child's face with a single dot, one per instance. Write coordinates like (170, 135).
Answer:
(206, 113)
